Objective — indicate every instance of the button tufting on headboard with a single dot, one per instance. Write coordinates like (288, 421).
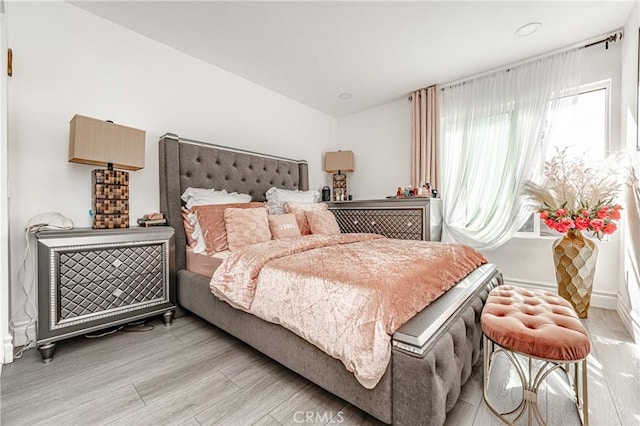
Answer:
(186, 163)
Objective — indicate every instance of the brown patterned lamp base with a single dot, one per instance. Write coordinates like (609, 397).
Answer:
(110, 199)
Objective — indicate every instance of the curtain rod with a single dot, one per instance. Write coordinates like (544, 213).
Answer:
(611, 38)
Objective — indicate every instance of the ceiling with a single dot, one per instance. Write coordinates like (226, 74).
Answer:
(312, 51)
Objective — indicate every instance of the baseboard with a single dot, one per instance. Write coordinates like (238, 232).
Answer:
(631, 324)
(599, 299)
(7, 350)
(23, 331)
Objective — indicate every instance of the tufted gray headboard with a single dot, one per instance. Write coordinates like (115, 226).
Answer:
(185, 163)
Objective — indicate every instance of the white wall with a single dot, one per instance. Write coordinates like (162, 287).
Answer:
(629, 291)
(381, 142)
(68, 61)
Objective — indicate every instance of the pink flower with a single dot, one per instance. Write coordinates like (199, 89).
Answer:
(603, 213)
(544, 214)
(568, 222)
(609, 228)
(617, 207)
(561, 212)
(564, 224)
(550, 223)
(597, 225)
(615, 214)
(581, 223)
(586, 213)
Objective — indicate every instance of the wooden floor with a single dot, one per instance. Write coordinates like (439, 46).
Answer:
(191, 373)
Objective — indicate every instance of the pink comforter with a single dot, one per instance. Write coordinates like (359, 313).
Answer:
(346, 294)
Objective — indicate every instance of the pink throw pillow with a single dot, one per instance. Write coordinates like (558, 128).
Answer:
(212, 223)
(322, 222)
(246, 227)
(283, 226)
(299, 210)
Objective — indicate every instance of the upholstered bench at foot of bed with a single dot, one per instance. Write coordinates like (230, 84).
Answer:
(537, 326)
(435, 381)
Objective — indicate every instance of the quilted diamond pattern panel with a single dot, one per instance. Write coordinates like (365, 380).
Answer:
(89, 298)
(83, 267)
(404, 224)
(99, 280)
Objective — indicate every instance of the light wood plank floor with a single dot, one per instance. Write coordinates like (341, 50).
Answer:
(193, 374)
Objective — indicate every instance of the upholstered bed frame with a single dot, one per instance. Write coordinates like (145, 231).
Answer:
(433, 354)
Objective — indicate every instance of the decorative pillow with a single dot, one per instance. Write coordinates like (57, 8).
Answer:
(189, 228)
(283, 226)
(298, 210)
(202, 196)
(212, 224)
(246, 227)
(276, 197)
(322, 222)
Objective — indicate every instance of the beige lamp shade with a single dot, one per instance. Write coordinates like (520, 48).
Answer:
(99, 143)
(338, 160)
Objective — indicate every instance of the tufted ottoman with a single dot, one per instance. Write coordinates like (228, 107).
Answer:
(539, 326)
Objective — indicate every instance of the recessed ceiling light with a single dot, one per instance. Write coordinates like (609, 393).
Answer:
(527, 29)
(344, 96)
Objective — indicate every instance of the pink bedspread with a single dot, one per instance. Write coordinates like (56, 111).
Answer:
(346, 294)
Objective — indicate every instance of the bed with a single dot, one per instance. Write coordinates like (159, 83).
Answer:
(432, 354)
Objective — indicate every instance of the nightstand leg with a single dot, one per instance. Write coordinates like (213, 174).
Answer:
(168, 318)
(46, 352)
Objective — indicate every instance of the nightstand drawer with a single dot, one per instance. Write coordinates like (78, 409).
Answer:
(98, 297)
(406, 219)
(87, 266)
(381, 221)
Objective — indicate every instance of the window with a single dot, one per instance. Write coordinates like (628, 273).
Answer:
(587, 127)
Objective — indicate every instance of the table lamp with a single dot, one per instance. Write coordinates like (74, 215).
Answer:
(339, 161)
(103, 143)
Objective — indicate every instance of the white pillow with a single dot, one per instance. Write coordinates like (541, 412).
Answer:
(202, 196)
(201, 245)
(276, 197)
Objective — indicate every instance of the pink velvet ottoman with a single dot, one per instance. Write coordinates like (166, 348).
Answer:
(540, 326)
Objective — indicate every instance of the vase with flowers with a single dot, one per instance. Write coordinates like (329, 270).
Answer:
(577, 196)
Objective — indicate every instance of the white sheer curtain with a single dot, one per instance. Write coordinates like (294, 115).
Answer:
(492, 140)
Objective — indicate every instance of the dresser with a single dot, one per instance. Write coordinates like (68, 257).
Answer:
(403, 218)
(92, 279)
